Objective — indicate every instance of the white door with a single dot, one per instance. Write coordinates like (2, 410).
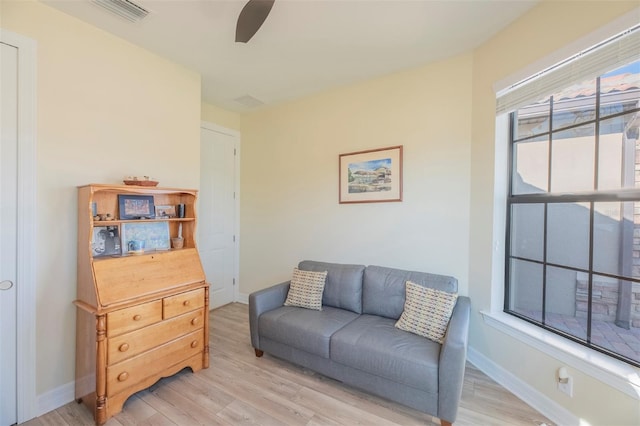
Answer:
(8, 236)
(217, 212)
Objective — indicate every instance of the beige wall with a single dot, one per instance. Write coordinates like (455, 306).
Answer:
(219, 116)
(541, 32)
(289, 177)
(105, 109)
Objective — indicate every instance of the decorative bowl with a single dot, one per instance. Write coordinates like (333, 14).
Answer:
(145, 181)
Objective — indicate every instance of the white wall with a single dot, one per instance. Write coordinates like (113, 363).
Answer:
(289, 177)
(105, 109)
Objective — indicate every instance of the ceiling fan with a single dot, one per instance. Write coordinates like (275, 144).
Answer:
(251, 18)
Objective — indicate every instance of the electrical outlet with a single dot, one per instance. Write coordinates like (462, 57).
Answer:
(566, 387)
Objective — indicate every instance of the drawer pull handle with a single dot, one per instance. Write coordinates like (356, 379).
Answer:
(194, 343)
(123, 347)
(123, 376)
(194, 321)
(137, 317)
(186, 303)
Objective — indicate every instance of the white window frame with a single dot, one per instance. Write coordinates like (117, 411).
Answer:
(613, 372)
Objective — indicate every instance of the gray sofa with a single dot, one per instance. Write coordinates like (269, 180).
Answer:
(353, 338)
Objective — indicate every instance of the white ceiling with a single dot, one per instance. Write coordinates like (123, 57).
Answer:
(304, 46)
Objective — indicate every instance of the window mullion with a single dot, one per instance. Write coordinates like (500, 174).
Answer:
(590, 283)
(544, 264)
(546, 214)
(596, 166)
(550, 155)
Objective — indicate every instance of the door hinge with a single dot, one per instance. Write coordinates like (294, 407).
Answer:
(234, 238)
(234, 281)
(234, 151)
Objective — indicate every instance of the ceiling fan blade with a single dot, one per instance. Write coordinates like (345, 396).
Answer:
(251, 18)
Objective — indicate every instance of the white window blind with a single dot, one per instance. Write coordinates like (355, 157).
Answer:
(613, 53)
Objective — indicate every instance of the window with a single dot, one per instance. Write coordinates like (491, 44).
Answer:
(573, 210)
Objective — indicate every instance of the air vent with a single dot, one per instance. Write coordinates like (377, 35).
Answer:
(124, 8)
(249, 101)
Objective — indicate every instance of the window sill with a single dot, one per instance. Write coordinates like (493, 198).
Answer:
(610, 371)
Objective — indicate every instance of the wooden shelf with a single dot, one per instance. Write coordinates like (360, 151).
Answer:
(119, 221)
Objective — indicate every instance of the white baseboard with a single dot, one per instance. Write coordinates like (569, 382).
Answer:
(243, 298)
(540, 402)
(56, 398)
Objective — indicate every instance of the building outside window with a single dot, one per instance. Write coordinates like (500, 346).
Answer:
(573, 210)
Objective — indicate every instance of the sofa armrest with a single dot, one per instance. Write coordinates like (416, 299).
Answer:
(262, 301)
(453, 355)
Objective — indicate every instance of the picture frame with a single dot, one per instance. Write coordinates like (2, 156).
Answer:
(165, 212)
(371, 176)
(145, 236)
(105, 241)
(136, 206)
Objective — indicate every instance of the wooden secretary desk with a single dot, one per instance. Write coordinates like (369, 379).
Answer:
(140, 317)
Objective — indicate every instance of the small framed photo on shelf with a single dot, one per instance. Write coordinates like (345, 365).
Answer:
(165, 212)
(105, 241)
(138, 237)
(136, 206)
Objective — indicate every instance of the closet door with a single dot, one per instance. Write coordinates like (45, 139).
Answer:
(217, 213)
(8, 232)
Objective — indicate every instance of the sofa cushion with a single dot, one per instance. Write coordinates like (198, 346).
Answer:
(304, 329)
(373, 344)
(426, 311)
(306, 289)
(343, 288)
(383, 289)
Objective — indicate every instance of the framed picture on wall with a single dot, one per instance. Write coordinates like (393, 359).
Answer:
(372, 176)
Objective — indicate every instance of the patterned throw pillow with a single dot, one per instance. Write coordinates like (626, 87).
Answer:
(426, 311)
(306, 289)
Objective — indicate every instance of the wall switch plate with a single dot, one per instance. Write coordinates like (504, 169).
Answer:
(567, 387)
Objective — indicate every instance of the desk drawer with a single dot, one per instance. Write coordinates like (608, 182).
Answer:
(133, 318)
(130, 344)
(183, 302)
(128, 373)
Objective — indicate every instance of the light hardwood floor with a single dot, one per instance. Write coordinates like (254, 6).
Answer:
(239, 388)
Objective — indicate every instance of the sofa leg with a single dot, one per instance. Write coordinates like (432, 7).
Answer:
(445, 423)
(259, 353)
